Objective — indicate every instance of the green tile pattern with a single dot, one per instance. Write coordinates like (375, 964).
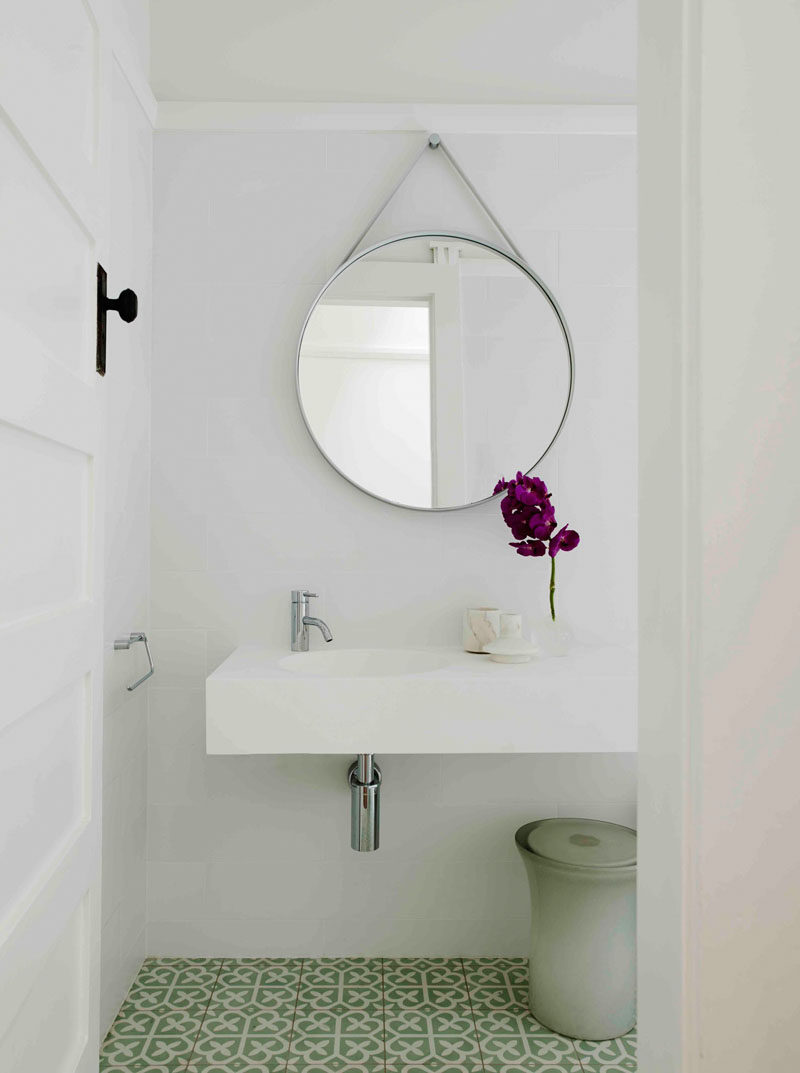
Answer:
(608, 1056)
(155, 1029)
(343, 1015)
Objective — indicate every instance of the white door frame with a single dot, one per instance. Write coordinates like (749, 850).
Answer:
(667, 141)
(719, 410)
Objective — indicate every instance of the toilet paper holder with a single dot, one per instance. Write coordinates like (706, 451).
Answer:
(132, 639)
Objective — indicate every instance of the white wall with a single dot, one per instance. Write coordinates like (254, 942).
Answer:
(720, 734)
(131, 20)
(251, 854)
(126, 388)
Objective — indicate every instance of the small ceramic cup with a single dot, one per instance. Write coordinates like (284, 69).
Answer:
(480, 626)
(510, 624)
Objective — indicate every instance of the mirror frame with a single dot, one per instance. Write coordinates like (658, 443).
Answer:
(523, 267)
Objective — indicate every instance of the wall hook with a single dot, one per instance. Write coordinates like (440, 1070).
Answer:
(132, 639)
(126, 304)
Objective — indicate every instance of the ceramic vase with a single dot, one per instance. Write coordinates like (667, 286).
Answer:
(481, 625)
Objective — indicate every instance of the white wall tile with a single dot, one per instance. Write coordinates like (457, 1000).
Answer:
(623, 812)
(251, 606)
(241, 163)
(124, 735)
(450, 936)
(544, 777)
(593, 154)
(175, 833)
(247, 226)
(176, 889)
(179, 426)
(268, 235)
(181, 337)
(541, 250)
(220, 937)
(267, 888)
(272, 781)
(219, 645)
(604, 258)
(180, 656)
(176, 761)
(478, 832)
(120, 967)
(605, 371)
(178, 540)
(179, 485)
(499, 154)
(375, 156)
(600, 314)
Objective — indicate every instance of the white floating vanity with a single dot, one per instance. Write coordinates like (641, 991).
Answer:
(432, 700)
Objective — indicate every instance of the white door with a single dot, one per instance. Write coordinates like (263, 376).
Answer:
(53, 67)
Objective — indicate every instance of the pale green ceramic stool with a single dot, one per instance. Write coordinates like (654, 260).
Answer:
(582, 875)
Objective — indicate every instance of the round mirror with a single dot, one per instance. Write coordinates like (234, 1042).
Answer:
(431, 364)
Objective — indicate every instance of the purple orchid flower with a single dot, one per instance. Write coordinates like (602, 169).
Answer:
(530, 515)
(564, 540)
(529, 547)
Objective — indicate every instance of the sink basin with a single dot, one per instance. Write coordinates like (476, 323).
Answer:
(364, 662)
(436, 700)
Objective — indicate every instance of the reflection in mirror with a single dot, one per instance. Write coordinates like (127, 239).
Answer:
(430, 365)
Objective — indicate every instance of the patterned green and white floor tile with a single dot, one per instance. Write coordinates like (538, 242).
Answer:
(254, 984)
(261, 972)
(248, 1025)
(497, 983)
(337, 1038)
(431, 1037)
(437, 1065)
(343, 1015)
(496, 972)
(513, 1039)
(332, 1065)
(608, 1056)
(349, 983)
(155, 1029)
(411, 983)
(235, 1039)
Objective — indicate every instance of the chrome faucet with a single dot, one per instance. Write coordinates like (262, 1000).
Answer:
(301, 620)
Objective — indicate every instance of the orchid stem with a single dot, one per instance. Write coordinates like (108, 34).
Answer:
(553, 588)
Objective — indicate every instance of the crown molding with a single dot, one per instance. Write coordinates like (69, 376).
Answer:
(260, 117)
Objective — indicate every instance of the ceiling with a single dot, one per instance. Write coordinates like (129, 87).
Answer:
(395, 51)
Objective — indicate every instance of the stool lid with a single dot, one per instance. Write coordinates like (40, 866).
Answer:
(587, 843)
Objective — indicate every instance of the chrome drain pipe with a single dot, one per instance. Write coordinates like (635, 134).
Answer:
(364, 778)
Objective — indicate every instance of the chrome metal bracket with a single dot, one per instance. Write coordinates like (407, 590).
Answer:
(132, 639)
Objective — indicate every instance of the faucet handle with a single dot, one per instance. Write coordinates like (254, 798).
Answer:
(310, 595)
(299, 596)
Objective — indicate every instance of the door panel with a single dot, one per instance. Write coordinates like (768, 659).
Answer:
(50, 990)
(51, 79)
(45, 536)
(44, 786)
(46, 267)
(53, 179)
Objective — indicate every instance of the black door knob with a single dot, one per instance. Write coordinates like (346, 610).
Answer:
(127, 305)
